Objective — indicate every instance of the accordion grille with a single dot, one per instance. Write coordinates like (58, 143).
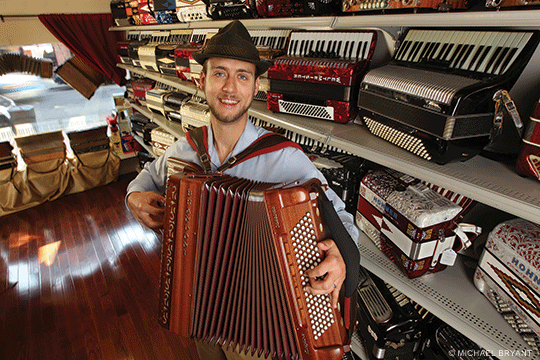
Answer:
(320, 112)
(434, 86)
(397, 137)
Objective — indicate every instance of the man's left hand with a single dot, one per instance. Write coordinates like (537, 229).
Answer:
(328, 276)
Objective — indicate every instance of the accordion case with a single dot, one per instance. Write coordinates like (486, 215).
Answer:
(141, 86)
(7, 158)
(236, 9)
(42, 147)
(172, 103)
(414, 225)
(194, 114)
(435, 98)
(254, 300)
(154, 100)
(191, 10)
(161, 140)
(509, 269)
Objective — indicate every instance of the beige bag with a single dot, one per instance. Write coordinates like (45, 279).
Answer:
(92, 169)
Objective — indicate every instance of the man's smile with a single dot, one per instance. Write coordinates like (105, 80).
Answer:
(229, 101)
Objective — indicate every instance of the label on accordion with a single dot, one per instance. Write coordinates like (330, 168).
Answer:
(493, 275)
(516, 243)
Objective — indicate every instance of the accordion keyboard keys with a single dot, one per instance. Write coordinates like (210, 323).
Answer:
(272, 39)
(345, 45)
(488, 52)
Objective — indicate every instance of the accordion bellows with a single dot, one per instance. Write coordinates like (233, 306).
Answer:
(25, 64)
(233, 258)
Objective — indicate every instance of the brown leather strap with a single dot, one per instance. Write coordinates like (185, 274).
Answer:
(197, 138)
(267, 143)
(263, 145)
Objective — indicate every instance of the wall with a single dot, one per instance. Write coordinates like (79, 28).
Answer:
(28, 31)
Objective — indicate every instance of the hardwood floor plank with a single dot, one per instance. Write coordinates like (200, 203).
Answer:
(81, 280)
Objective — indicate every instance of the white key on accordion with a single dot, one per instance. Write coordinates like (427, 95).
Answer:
(496, 40)
(408, 45)
(432, 44)
(519, 46)
(367, 39)
(475, 42)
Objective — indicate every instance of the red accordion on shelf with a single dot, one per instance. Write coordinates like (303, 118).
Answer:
(320, 74)
(233, 258)
(415, 225)
(141, 86)
(528, 162)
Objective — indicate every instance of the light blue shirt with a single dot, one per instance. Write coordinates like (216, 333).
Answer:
(285, 165)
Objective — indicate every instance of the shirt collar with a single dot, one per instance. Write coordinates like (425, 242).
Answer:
(249, 135)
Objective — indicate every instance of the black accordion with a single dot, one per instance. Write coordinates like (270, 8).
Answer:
(436, 96)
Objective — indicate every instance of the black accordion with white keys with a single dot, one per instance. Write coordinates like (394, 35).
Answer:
(435, 98)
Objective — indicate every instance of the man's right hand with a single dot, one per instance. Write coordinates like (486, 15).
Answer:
(148, 208)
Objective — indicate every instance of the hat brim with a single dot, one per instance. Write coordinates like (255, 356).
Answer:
(261, 65)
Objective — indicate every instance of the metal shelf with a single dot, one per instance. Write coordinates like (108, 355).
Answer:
(484, 18)
(171, 127)
(147, 147)
(484, 180)
(451, 296)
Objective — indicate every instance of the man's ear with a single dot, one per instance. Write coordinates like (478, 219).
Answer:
(257, 83)
(201, 80)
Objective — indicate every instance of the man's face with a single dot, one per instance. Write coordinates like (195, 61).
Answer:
(229, 86)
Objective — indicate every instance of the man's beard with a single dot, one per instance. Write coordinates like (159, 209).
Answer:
(229, 118)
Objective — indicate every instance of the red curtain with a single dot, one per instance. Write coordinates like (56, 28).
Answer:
(88, 37)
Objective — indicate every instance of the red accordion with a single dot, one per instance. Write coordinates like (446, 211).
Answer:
(233, 258)
(528, 161)
(418, 227)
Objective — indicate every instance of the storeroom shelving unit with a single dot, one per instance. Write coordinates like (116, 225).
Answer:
(450, 294)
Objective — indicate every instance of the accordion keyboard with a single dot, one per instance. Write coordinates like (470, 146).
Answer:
(272, 39)
(487, 52)
(337, 44)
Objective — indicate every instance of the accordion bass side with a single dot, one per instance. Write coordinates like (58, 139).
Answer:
(233, 258)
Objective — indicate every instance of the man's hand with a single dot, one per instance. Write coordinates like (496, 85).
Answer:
(328, 276)
(148, 208)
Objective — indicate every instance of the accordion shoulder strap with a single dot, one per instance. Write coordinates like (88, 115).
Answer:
(198, 138)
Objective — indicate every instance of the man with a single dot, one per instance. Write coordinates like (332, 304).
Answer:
(230, 80)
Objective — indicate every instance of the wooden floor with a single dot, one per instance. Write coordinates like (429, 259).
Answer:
(79, 279)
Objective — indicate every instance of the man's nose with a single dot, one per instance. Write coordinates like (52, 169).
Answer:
(230, 84)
